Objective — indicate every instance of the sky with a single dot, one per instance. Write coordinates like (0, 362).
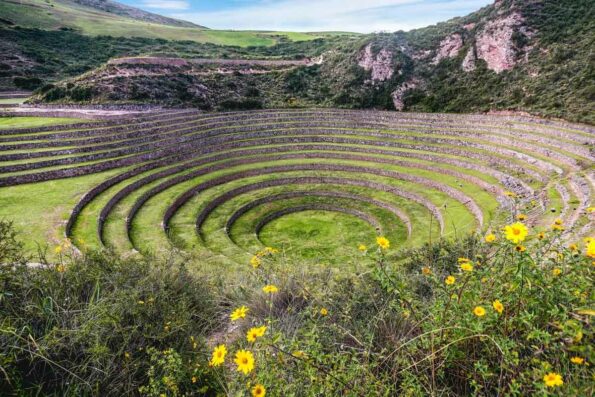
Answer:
(363, 16)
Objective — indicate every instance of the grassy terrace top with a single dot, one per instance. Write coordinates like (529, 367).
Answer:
(225, 185)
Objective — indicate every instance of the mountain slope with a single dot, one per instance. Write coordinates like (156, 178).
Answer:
(108, 18)
(533, 56)
(84, 15)
(134, 13)
(513, 55)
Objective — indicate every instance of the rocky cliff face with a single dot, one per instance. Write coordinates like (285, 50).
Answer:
(498, 37)
(449, 47)
(495, 43)
(380, 64)
(399, 94)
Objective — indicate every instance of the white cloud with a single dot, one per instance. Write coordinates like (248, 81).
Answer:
(346, 15)
(174, 5)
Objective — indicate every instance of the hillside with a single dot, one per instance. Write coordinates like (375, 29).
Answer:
(89, 16)
(135, 13)
(97, 18)
(521, 56)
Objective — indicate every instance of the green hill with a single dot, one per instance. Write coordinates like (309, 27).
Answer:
(99, 18)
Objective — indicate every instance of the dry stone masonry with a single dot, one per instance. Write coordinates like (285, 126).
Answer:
(223, 171)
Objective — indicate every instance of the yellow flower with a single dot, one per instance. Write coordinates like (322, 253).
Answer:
(362, 248)
(258, 391)
(254, 333)
(498, 306)
(450, 280)
(245, 361)
(516, 232)
(577, 360)
(426, 271)
(271, 250)
(591, 210)
(479, 311)
(591, 248)
(238, 313)
(510, 194)
(521, 217)
(541, 235)
(520, 248)
(573, 247)
(298, 354)
(58, 249)
(553, 379)
(255, 261)
(323, 312)
(270, 289)
(558, 225)
(467, 267)
(490, 238)
(556, 271)
(218, 357)
(141, 302)
(60, 268)
(383, 242)
(194, 379)
(126, 355)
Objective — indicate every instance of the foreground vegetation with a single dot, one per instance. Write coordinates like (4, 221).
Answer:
(508, 313)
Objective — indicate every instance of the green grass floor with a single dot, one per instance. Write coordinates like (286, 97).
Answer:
(30, 122)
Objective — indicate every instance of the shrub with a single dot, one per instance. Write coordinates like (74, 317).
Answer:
(27, 83)
(94, 325)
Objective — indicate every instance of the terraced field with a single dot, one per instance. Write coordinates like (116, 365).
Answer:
(315, 183)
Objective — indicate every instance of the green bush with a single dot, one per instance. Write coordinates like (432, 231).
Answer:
(27, 83)
(93, 325)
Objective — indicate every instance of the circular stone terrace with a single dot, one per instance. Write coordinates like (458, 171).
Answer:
(223, 185)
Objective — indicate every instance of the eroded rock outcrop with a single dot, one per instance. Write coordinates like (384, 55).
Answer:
(495, 43)
(380, 64)
(449, 47)
(398, 95)
(468, 64)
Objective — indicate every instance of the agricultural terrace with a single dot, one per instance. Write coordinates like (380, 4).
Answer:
(315, 183)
